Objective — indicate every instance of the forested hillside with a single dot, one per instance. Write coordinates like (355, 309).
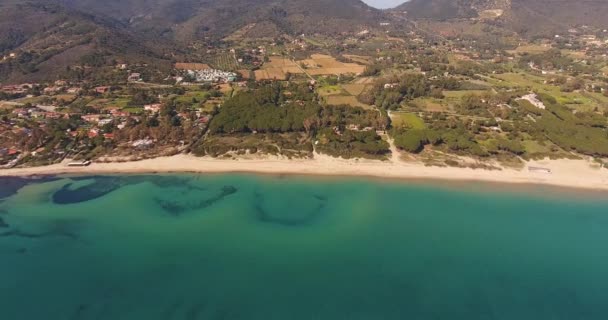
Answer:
(49, 38)
(527, 17)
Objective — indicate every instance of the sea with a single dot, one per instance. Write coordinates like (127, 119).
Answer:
(199, 247)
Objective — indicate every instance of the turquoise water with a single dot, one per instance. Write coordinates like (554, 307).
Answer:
(246, 247)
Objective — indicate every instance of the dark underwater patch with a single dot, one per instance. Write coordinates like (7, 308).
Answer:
(320, 197)
(172, 310)
(283, 219)
(195, 311)
(30, 235)
(101, 187)
(80, 311)
(176, 208)
(3, 224)
(11, 185)
(58, 228)
(104, 185)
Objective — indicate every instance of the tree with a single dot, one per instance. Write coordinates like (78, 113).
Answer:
(412, 140)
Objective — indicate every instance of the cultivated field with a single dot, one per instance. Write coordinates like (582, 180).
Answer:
(359, 59)
(354, 89)
(245, 74)
(408, 120)
(530, 49)
(118, 102)
(432, 104)
(318, 64)
(225, 61)
(365, 80)
(191, 66)
(349, 100)
(277, 69)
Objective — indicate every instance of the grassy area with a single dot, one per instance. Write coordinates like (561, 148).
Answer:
(210, 104)
(432, 104)
(576, 100)
(343, 99)
(354, 88)
(533, 147)
(409, 120)
(135, 110)
(458, 94)
(120, 102)
(65, 97)
(198, 95)
(510, 80)
(32, 100)
(327, 90)
(314, 42)
(530, 49)
(536, 150)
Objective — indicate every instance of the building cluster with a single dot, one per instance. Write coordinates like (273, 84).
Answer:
(212, 75)
(92, 125)
(18, 88)
(56, 87)
(9, 56)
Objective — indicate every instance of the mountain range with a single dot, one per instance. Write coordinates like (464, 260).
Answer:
(191, 19)
(526, 17)
(57, 33)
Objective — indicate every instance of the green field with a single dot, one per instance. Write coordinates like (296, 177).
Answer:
(409, 120)
(32, 100)
(134, 110)
(120, 102)
(314, 42)
(198, 95)
(328, 90)
(576, 100)
(533, 147)
(433, 104)
(458, 94)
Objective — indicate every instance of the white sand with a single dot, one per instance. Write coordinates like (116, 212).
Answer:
(565, 173)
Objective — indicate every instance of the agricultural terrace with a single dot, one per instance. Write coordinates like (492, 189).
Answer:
(342, 94)
(318, 64)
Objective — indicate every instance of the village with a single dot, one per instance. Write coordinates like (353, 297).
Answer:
(48, 122)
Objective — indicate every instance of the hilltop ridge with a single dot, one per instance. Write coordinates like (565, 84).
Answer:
(527, 17)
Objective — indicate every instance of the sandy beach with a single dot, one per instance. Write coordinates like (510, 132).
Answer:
(564, 173)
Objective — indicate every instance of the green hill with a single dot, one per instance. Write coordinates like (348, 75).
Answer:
(47, 38)
(192, 19)
(527, 17)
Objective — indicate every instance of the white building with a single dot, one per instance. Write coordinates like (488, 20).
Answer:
(212, 75)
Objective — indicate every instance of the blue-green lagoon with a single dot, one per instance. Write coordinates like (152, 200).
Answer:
(263, 247)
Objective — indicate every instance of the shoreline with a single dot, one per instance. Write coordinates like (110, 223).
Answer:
(578, 174)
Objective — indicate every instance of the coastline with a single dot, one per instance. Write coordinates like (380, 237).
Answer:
(577, 174)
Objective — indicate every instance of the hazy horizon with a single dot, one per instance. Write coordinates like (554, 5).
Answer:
(384, 4)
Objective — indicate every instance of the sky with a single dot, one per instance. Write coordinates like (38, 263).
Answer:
(384, 3)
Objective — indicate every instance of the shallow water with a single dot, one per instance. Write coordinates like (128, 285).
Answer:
(249, 247)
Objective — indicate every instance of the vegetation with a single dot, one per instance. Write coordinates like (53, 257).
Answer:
(389, 93)
(463, 81)
(352, 144)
